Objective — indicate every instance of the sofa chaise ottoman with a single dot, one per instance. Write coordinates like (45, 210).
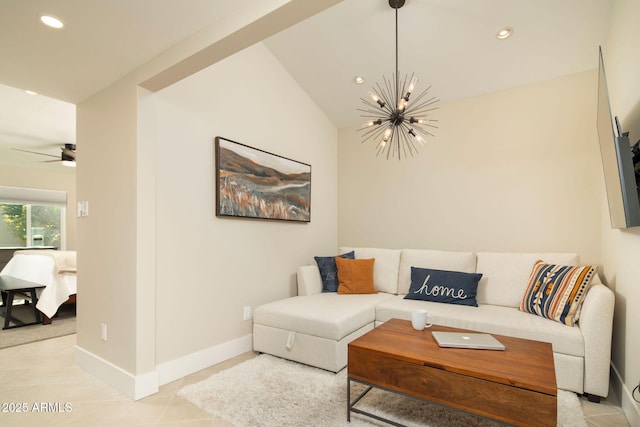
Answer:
(315, 327)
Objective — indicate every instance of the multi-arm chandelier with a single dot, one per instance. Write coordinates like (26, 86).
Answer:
(398, 121)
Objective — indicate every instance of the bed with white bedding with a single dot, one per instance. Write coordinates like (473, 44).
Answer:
(55, 270)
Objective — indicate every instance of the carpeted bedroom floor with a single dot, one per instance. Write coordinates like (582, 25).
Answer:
(63, 324)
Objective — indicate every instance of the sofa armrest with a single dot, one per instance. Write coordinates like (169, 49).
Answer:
(309, 280)
(596, 324)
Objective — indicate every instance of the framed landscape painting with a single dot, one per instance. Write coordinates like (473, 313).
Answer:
(251, 183)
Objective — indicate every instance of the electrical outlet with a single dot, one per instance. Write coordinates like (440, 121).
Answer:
(247, 313)
(103, 332)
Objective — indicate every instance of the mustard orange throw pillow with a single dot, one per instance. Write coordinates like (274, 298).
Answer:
(355, 276)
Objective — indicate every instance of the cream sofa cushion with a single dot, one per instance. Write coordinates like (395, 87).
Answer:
(326, 315)
(505, 275)
(385, 267)
(492, 319)
(437, 260)
(309, 280)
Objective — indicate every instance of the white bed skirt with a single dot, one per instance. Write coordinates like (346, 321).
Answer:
(42, 269)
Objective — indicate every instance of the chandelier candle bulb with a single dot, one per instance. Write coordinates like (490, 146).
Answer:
(370, 123)
(416, 136)
(387, 134)
(412, 85)
(377, 99)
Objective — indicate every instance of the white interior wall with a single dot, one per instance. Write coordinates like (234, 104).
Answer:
(621, 248)
(516, 170)
(209, 268)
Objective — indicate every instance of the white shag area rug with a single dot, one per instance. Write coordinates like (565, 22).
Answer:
(269, 391)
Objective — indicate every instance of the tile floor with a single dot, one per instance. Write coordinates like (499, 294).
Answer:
(45, 373)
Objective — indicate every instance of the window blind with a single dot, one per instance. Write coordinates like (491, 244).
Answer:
(33, 196)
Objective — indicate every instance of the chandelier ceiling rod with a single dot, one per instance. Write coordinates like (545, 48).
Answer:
(392, 3)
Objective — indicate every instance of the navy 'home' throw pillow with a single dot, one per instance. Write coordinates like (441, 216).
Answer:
(451, 287)
(329, 271)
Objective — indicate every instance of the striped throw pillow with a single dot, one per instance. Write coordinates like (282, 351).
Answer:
(557, 291)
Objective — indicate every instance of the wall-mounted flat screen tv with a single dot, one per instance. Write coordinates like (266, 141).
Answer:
(617, 162)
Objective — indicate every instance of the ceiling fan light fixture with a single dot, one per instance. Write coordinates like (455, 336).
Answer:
(51, 21)
(67, 154)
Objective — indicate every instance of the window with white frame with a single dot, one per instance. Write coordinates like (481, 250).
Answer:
(32, 217)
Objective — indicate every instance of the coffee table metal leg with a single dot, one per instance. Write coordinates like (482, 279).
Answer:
(351, 408)
(348, 400)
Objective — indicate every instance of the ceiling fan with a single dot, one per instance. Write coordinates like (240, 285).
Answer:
(67, 155)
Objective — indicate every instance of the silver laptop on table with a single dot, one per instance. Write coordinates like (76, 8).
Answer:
(467, 340)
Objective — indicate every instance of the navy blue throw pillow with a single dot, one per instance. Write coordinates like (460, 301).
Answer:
(451, 287)
(329, 271)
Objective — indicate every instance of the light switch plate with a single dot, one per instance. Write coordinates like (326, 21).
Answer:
(83, 209)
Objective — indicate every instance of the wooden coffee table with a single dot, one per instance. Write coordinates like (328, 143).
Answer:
(516, 386)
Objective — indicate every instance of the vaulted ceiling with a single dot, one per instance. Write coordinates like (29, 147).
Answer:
(449, 44)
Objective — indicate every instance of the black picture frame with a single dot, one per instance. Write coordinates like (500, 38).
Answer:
(253, 183)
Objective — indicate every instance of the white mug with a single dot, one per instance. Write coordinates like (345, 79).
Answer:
(420, 320)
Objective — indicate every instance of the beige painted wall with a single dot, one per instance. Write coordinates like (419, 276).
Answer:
(621, 248)
(15, 176)
(516, 170)
(209, 268)
(106, 126)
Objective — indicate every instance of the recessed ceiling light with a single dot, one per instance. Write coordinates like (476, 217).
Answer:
(51, 21)
(504, 33)
(358, 80)
(30, 92)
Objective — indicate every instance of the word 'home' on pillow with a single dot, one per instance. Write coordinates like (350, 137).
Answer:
(444, 286)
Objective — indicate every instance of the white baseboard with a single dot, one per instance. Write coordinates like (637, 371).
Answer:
(134, 387)
(630, 407)
(139, 386)
(194, 362)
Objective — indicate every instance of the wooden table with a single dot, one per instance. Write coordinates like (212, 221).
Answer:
(9, 287)
(516, 386)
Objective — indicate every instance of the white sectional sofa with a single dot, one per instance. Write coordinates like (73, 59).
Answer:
(315, 327)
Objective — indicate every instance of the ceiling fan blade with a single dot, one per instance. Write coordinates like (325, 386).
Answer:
(35, 152)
